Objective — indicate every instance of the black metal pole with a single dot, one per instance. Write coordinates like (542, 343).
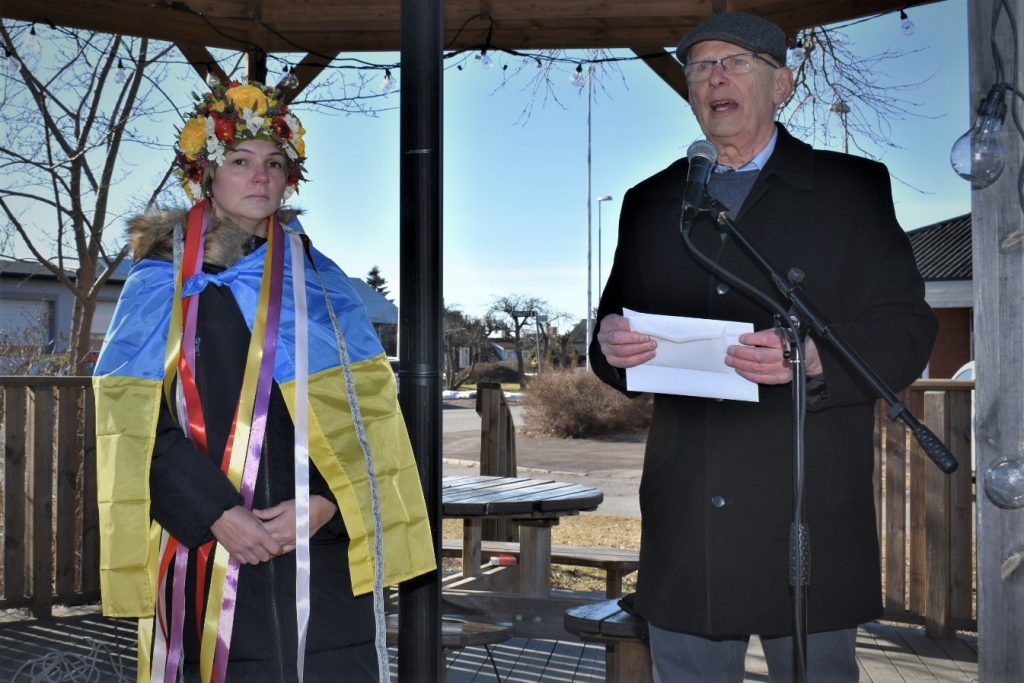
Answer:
(420, 298)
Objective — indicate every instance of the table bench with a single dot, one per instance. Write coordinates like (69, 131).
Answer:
(616, 562)
(627, 652)
(457, 633)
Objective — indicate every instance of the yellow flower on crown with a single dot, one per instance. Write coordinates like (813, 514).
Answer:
(248, 97)
(193, 137)
(300, 144)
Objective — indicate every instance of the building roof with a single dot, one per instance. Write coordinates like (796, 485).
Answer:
(943, 250)
(377, 305)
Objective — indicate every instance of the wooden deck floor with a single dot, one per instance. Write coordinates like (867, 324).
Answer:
(104, 651)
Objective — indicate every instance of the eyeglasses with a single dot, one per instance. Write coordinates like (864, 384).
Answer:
(734, 65)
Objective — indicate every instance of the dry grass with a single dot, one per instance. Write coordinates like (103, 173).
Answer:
(583, 530)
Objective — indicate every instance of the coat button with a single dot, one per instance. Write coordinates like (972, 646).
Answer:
(722, 288)
(718, 502)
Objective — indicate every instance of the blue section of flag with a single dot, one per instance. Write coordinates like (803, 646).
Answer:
(136, 341)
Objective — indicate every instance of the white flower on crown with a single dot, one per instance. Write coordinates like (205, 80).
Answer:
(214, 147)
(195, 190)
(253, 121)
(215, 150)
(293, 124)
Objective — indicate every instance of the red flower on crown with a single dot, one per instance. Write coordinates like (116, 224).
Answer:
(281, 128)
(225, 129)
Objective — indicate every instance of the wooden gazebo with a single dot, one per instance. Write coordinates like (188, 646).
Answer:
(422, 30)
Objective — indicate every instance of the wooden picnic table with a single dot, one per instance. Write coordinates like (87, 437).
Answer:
(535, 504)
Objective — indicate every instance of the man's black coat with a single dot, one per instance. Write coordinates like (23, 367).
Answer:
(720, 570)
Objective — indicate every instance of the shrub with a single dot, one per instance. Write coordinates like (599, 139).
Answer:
(503, 372)
(576, 404)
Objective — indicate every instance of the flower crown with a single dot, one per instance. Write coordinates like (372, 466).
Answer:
(231, 114)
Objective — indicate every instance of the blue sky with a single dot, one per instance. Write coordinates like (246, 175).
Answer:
(515, 197)
(515, 188)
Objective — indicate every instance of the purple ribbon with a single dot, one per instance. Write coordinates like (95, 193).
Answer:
(255, 450)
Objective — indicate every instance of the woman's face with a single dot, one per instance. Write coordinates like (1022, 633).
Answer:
(248, 186)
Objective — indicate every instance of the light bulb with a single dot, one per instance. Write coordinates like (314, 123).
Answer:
(795, 57)
(211, 78)
(10, 62)
(290, 80)
(485, 60)
(120, 76)
(978, 155)
(906, 25)
(1004, 483)
(388, 84)
(31, 43)
(577, 76)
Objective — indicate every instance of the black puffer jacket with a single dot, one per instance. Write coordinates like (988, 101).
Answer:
(189, 492)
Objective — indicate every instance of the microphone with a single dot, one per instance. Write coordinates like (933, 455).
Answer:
(702, 156)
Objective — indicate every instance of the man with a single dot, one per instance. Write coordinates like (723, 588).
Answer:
(716, 493)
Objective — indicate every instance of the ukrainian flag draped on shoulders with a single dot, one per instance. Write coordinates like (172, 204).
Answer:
(129, 383)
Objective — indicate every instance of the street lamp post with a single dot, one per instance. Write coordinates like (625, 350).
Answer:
(600, 200)
(590, 275)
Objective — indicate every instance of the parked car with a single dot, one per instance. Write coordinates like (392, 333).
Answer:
(965, 372)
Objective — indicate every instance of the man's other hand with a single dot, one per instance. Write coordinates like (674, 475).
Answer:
(759, 358)
(622, 347)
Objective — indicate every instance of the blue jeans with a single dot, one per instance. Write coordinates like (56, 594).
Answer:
(679, 657)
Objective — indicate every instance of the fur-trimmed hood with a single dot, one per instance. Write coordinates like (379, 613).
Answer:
(151, 235)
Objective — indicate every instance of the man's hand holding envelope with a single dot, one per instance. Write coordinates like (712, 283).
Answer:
(697, 357)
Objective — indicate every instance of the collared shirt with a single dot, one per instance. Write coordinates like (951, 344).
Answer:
(755, 164)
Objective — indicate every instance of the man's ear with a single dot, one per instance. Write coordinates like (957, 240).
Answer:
(783, 85)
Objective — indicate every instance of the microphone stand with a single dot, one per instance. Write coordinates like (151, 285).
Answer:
(801, 314)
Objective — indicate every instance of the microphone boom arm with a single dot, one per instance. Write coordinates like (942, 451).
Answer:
(790, 289)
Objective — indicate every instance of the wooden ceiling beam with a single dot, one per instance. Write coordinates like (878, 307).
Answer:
(663, 63)
(202, 61)
(331, 26)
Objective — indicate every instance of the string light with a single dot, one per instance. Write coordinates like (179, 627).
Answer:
(290, 80)
(796, 55)
(10, 61)
(120, 76)
(978, 155)
(577, 76)
(388, 84)
(31, 43)
(906, 25)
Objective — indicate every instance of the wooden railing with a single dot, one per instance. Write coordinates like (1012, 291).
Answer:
(926, 518)
(48, 512)
(48, 515)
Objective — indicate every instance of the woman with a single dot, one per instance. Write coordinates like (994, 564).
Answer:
(257, 484)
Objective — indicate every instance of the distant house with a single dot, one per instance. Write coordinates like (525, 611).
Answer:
(36, 312)
(383, 314)
(578, 341)
(943, 254)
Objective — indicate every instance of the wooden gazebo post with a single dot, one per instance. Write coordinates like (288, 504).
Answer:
(999, 353)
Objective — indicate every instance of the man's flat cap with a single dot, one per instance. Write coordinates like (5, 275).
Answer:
(739, 28)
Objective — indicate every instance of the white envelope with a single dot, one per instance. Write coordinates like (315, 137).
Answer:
(690, 360)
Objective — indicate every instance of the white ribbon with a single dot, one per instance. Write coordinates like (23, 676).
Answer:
(302, 562)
